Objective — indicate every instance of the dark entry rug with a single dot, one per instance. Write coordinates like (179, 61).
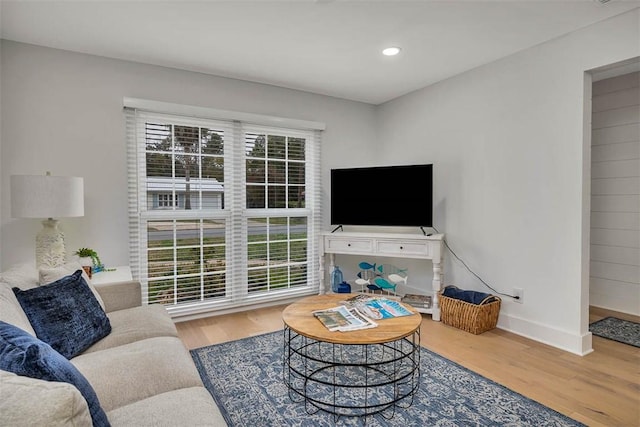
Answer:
(245, 377)
(613, 328)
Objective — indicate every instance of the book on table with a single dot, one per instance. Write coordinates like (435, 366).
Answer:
(415, 300)
(376, 307)
(343, 318)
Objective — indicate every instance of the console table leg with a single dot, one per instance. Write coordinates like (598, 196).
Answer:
(436, 285)
(322, 289)
(332, 264)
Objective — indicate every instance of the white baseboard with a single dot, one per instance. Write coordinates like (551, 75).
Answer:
(564, 340)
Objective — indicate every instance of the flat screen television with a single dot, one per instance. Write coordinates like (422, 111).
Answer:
(383, 196)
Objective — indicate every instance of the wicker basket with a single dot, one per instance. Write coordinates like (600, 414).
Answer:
(470, 317)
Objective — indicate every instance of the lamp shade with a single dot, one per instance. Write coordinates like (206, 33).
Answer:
(46, 196)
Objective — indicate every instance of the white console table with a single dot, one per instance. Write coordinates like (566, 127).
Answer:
(115, 275)
(387, 245)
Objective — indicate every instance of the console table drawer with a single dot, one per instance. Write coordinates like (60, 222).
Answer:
(404, 248)
(342, 245)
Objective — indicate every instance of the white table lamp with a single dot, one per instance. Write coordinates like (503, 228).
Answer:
(46, 196)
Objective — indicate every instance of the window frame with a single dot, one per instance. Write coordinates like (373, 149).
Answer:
(235, 214)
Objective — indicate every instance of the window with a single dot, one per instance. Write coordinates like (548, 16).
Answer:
(275, 179)
(167, 200)
(223, 213)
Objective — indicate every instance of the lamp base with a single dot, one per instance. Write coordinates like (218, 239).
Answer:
(50, 251)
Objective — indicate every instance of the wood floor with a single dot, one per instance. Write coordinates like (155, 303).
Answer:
(600, 389)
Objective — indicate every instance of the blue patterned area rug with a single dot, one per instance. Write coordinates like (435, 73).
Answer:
(624, 331)
(245, 377)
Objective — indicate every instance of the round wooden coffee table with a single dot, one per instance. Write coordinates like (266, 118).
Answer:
(352, 373)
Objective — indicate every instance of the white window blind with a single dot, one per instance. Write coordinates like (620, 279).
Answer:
(222, 213)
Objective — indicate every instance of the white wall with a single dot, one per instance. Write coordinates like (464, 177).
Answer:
(62, 112)
(507, 141)
(615, 194)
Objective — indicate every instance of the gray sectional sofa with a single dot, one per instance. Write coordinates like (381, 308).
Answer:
(141, 372)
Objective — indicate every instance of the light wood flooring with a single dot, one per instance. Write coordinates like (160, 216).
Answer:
(600, 389)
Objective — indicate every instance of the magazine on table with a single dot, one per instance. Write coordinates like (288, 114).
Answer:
(377, 307)
(415, 300)
(343, 318)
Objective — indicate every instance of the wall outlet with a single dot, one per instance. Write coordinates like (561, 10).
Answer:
(518, 292)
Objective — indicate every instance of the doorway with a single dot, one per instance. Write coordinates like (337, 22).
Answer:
(613, 236)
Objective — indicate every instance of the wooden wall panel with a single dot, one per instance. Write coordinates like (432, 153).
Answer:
(619, 151)
(618, 220)
(613, 135)
(615, 169)
(615, 84)
(619, 254)
(616, 117)
(614, 237)
(613, 100)
(615, 203)
(615, 194)
(616, 186)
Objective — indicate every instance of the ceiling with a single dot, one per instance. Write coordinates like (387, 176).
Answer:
(323, 46)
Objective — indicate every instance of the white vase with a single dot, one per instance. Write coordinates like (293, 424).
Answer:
(85, 261)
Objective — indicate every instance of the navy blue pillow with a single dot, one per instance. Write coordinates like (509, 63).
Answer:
(23, 354)
(473, 297)
(65, 314)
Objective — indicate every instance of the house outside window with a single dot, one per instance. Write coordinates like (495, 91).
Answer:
(223, 213)
(166, 200)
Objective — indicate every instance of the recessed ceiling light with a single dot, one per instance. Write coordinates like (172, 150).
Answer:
(391, 51)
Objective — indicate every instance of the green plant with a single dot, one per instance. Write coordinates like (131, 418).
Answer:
(89, 253)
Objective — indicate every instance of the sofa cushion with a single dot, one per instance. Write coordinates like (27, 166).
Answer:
(51, 274)
(135, 324)
(65, 314)
(120, 295)
(28, 401)
(11, 311)
(23, 276)
(131, 372)
(192, 406)
(23, 354)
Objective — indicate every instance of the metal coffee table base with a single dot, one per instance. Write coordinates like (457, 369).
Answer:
(352, 379)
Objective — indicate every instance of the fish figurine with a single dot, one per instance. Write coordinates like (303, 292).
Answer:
(386, 269)
(384, 284)
(396, 278)
(366, 266)
(362, 283)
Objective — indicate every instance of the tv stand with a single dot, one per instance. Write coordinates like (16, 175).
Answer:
(387, 245)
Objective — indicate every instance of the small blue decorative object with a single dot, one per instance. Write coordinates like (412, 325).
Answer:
(336, 279)
(344, 288)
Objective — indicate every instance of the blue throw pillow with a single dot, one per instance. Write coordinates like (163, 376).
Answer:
(23, 354)
(65, 314)
(473, 297)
